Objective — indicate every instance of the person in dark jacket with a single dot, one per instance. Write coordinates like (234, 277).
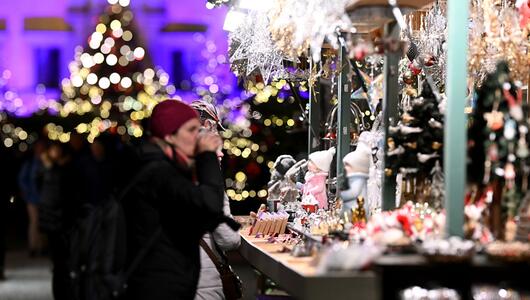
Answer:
(178, 190)
(98, 170)
(59, 207)
(29, 182)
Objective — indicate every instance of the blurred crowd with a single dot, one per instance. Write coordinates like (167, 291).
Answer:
(80, 171)
(168, 188)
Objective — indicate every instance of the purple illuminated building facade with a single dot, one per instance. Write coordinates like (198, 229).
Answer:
(38, 37)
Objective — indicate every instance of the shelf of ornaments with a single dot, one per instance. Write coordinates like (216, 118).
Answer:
(370, 15)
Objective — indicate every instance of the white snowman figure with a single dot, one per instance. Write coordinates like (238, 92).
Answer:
(357, 168)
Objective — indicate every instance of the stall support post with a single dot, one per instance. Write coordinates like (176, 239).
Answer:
(313, 143)
(344, 114)
(390, 109)
(455, 128)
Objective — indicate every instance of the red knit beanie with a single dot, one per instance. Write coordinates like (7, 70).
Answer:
(169, 115)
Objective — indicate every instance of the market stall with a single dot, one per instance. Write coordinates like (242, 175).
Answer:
(299, 277)
(422, 157)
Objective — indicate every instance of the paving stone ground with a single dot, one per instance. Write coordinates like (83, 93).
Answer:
(30, 278)
(27, 278)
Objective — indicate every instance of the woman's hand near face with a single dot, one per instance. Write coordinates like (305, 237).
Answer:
(208, 141)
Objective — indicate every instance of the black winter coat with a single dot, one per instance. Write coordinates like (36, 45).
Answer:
(166, 196)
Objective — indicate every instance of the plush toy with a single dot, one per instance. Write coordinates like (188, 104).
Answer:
(282, 164)
(315, 179)
(357, 167)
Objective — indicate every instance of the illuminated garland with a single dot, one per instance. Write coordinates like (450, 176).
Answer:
(111, 80)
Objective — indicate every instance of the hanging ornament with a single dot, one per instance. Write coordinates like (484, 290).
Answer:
(435, 124)
(431, 39)
(494, 119)
(493, 152)
(255, 48)
(411, 145)
(397, 151)
(408, 77)
(423, 158)
(436, 145)
(297, 25)
(437, 186)
(429, 60)
(391, 144)
(361, 50)
(407, 96)
(415, 68)
(496, 35)
(510, 129)
(516, 110)
(509, 172)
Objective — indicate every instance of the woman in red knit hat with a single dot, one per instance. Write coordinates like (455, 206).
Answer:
(223, 238)
(176, 198)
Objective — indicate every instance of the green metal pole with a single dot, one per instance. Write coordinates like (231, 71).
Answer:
(344, 114)
(390, 110)
(455, 131)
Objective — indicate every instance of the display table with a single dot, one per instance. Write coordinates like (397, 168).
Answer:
(298, 277)
(390, 273)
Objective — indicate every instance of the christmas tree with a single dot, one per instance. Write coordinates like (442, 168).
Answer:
(415, 146)
(112, 80)
(498, 135)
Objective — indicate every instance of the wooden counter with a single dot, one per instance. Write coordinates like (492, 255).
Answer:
(298, 277)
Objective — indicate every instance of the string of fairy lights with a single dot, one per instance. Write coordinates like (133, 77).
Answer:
(111, 80)
(239, 144)
(10, 104)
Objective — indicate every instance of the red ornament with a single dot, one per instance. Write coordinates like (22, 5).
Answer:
(330, 135)
(405, 223)
(429, 60)
(408, 77)
(414, 68)
(361, 50)
(310, 208)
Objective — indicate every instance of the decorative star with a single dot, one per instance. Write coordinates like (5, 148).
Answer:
(495, 120)
(256, 47)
